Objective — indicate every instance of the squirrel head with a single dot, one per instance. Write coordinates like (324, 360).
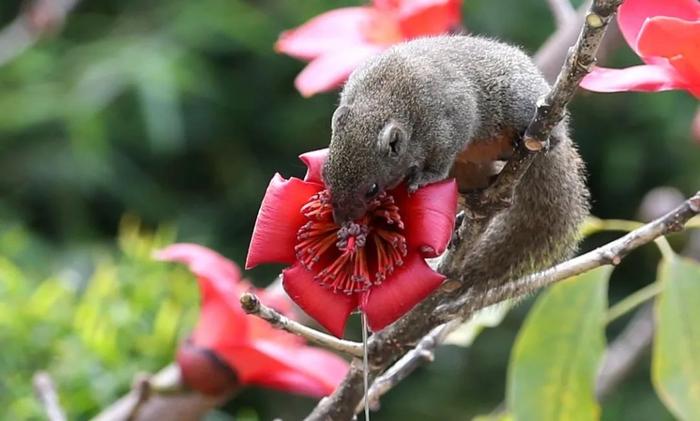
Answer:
(367, 155)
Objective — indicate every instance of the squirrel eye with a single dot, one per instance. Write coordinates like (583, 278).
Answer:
(373, 191)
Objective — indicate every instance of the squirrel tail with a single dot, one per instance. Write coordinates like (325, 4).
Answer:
(541, 227)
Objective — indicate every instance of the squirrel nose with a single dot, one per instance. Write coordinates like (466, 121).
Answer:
(342, 215)
(339, 216)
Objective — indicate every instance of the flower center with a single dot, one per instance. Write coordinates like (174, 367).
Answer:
(357, 255)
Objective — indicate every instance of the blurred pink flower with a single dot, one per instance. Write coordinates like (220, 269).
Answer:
(337, 41)
(229, 348)
(665, 34)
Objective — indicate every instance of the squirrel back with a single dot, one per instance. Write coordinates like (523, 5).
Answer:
(458, 103)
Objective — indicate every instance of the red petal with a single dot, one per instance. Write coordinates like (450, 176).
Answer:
(645, 78)
(287, 368)
(676, 40)
(202, 262)
(429, 17)
(633, 13)
(314, 164)
(428, 215)
(314, 367)
(203, 371)
(279, 219)
(330, 70)
(329, 309)
(221, 322)
(405, 288)
(331, 31)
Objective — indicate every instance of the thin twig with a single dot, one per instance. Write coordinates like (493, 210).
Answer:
(564, 13)
(251, 304)
(46, 393)
(38, 19)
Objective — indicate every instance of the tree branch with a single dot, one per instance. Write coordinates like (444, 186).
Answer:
(38, 19)
(161, 397)
(622, 353)
(625, 351)
(564, 13)
(251, 305)
(46, 393)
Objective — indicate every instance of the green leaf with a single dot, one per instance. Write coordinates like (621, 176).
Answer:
(676, 355)
(490, 316)
(555, 358)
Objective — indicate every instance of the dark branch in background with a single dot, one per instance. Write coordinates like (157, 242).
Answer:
(38, 18)
(45, 391)
(625, 351)
(161, 397)
(564, 13)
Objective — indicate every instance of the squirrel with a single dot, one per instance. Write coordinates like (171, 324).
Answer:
(457, 105)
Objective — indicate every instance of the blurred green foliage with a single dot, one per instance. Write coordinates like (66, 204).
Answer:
(179, 112)
(91, 330)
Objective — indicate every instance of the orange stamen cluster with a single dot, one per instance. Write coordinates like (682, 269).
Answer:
(357, 255)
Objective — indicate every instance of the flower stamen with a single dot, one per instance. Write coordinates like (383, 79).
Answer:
(350, 266)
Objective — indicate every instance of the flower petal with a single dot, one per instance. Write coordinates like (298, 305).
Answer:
(644, 78)
(633, 13)
(302, 370)
(321, 369)
(314, 164)
(221, 322)
(279, 219)
(676, 40)
(428, 215)
(429, 17)
(328, 308)
(203, 370)
(330, 70)
(406, 287)
(331, 31)
(203, 262)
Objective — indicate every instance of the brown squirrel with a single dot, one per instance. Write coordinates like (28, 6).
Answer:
(458, 103)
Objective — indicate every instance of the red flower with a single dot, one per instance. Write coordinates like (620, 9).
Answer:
(665, 34)
(339, 40)
(229, 347)
(376, 264)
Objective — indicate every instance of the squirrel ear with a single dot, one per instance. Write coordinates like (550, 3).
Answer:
(339, 114)
(393, 139)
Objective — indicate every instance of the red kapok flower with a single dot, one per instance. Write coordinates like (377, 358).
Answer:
(665, 34)
(229, 348)
(376, 264)
(339, 40)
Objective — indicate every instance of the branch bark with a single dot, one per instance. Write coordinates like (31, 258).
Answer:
(46, 393)
(251, 305)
